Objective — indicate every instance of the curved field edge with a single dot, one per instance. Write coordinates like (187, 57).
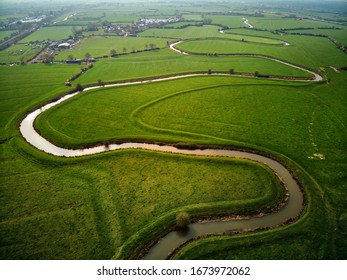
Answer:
(260, 244)
(140, 242)
(160, 224)
(154, 134)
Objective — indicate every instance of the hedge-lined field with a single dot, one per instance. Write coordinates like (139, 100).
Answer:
(272, 22)
(14, 53)
(303, 51)
(87, 208)
(101, 46)
(168, 62)
(111, 205)
(50, 33)
(163, 110)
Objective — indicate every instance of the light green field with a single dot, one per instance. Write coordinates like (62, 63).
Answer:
(100, 46)
(339, 35)
(189, 32)
(168, 62)
(4, 34)
(87, 209)
(113, 204)
(272, 22)
(182, 23)
(229, 21)
(16, 98)
(15, 52)
(303, 50)
(174, 111)
(49, 33)
(192, 17)
(210, 31)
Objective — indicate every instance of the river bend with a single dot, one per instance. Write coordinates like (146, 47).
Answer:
(291, 209)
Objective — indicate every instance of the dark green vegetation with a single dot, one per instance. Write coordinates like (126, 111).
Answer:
(107, 205)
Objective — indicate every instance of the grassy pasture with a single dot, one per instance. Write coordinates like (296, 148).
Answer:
(192, 17)
(182, 23)
(4, 34)
(189, 32)
(33, 88)
(229, 21)
(307, 125)
(303, 51)
(87, 209)
(15, 52)
(272, 22)
(168, 62)
(100, 46)
(94, 207)
(339, 35)
(49, 33)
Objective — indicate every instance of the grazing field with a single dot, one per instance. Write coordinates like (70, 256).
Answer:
(188, 32)
(254, 39)
(17, 97)
(49, 33)
(339, 35)
(182, 24)
(173, 111)
(229, 21)
(100, 46)
(264, 127)
(4, 34)
(14, 53)
(114, 204)
(276, 22)
(167, 62)
(303, 50)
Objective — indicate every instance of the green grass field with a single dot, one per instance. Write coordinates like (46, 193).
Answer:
(303, 51)
(272, 22)
(100, 46)
(143, 112)
(111, 205)
(168, 62)
(298, 138)
(182, 24)
(339, 35)
(16, 98)
(49, 33)
(4, 34)
(189, 32)
(229, 21)
(85, 213)
(15, 52)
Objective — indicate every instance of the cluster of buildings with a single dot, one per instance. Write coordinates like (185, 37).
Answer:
(139, 25)
(62, 44)
(155, 21)
(33, 19)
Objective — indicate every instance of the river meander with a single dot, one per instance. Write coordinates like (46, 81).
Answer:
(289, 211)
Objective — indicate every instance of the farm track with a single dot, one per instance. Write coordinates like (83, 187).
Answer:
(35, 139)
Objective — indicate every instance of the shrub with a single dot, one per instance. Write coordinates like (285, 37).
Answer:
(79, 87)
(182, 220)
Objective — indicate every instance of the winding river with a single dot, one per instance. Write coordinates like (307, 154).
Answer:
(289, 211)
